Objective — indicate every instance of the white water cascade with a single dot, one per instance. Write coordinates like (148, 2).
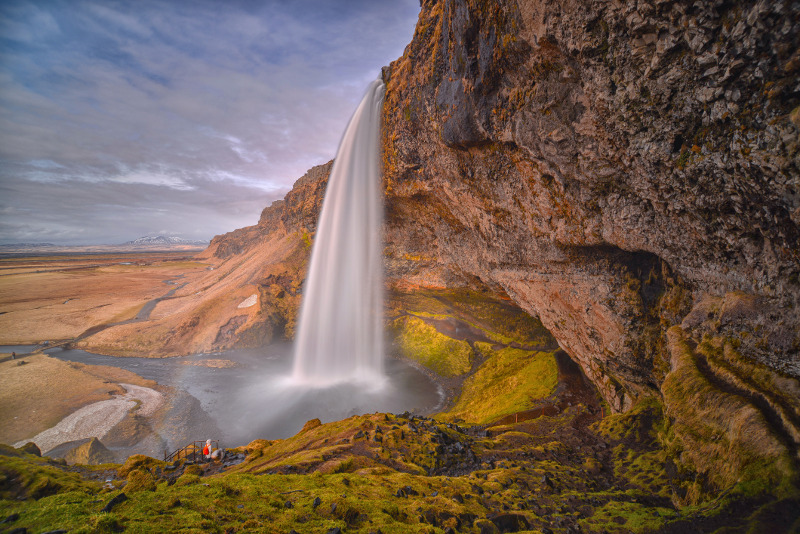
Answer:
(340, 333)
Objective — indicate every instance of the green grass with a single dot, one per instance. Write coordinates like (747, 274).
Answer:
(263, 503)
(617, 516)
(718, 432)
(526, 471)
(25, 476)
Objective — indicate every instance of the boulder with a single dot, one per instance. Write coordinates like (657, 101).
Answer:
(90, 451)
(31, 448)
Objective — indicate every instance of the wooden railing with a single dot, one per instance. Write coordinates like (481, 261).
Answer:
(192, 452)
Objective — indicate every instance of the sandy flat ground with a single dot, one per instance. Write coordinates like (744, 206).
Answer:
(55, 298)
(60, 297)
(98, 418)
(38, 394)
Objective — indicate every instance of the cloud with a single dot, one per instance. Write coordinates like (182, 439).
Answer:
(205, 111)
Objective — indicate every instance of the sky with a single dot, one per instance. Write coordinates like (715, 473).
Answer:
(120, 119)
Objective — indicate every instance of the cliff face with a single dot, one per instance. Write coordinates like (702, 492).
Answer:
(607, 165)
(297, 212)
(629, 173)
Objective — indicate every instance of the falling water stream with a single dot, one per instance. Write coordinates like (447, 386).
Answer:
(340, 334)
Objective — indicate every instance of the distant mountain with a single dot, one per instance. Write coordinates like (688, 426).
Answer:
(26, 245)
(151, 240)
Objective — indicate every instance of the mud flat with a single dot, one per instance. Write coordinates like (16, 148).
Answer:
(99, 418)
(37, 391)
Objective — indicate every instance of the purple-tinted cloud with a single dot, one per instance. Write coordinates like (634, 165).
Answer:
(119, 119)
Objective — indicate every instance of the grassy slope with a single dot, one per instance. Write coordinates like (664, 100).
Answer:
(397, 474)
(511, 380)
(410, 474)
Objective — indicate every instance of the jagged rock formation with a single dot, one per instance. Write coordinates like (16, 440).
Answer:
(620, 170)
(605, 164)
(297, 212)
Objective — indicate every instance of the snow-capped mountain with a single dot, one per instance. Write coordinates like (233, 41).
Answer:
(164, 240)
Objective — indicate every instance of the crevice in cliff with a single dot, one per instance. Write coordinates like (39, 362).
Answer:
(642, 270)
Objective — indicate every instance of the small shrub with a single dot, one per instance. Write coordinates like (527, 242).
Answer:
(138, 461)
(193, 469)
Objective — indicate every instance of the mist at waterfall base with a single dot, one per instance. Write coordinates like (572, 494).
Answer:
(339, 351)
(254, 397)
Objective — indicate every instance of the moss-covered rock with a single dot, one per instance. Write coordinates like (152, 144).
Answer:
(25, 476)
(92, 452)
(139, 461)
(729, 431)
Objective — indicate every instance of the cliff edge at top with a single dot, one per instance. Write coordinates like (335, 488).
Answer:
(611, 166)
(629, 173)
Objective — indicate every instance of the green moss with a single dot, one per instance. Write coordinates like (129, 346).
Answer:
(509, 381)
(422, 343)
(499, 320)
(683, 159)
(25, 476)
(618, 516)
(639, 424)
(306, 239)
(527, 471)
(140, 480)
(187, 479)
(138, 461)
(717, 429)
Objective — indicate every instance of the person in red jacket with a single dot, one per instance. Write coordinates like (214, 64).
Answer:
(207, 449)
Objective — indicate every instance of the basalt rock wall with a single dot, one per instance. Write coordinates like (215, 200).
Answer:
(616, 168)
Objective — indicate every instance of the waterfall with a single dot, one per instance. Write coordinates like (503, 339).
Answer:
(340, 333)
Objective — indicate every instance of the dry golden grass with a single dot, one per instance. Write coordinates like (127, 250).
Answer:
(61, 297)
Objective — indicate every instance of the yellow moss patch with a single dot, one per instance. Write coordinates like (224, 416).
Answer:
(422, 343)
(511, 380)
